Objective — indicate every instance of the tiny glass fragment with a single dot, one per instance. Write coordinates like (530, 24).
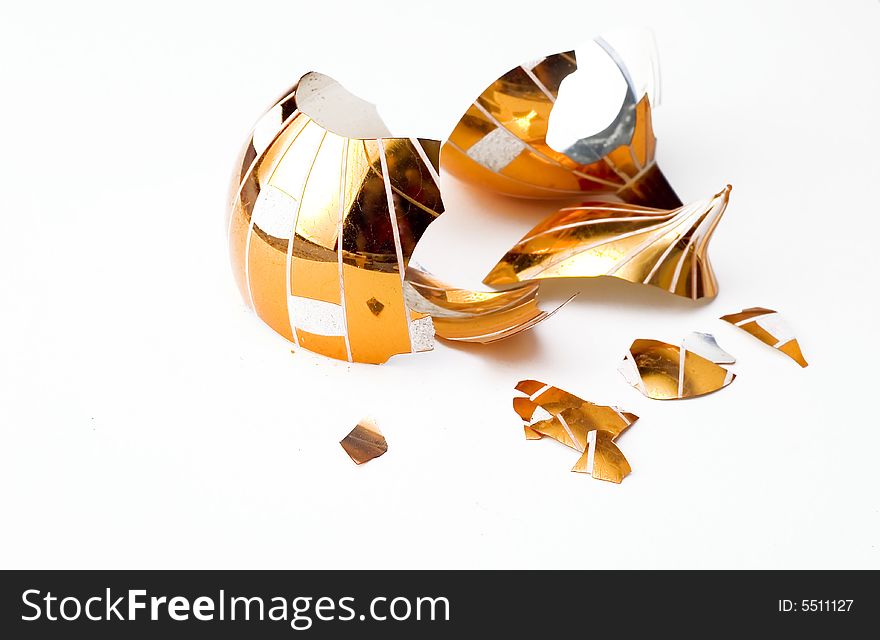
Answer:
(375, 306)
(364, 442)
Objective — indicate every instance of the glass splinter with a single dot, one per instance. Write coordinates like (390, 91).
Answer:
(770, 328)
(364, 442)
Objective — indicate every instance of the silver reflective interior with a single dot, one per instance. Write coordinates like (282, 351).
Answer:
(330, 105)
(594, 112)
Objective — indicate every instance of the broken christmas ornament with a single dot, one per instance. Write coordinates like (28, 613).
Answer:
(664, 371)
(663, 248)
(770, 328)
(568, 124)
(364, 442)
(326, 209)
(588, 428)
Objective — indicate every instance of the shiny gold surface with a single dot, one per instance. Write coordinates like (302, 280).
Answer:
(768, 327)
(581, 425)
(364, 442)
(603, 459)
(500, 143)
(666, 249)
(473, 316)
(321, 230)
(664, 371)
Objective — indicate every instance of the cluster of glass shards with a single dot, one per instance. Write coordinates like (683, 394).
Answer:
(660, 371)
(770, 328)
(590, 429)
(664, 371)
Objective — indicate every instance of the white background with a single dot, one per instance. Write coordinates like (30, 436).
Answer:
(149, 420)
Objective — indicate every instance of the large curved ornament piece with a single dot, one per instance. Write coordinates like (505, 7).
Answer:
(323, 222)
(501, 142)
(663, 248)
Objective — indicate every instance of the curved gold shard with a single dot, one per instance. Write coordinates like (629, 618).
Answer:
(770, 328)
(500, 143)
(664, 371)
(473, 316)
(602, 459)
(566, 417)
(663, 248)
(323, 222)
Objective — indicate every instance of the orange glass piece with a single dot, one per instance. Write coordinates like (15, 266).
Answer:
(770, 328)
(664, 371)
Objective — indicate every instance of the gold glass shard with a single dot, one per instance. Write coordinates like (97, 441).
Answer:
(581, 425)
(531, 434)
(326, 210)
(663, 371)
(602, 459)
(525, 408)
(666, 249)
(473, 316)
(501, 142)
(364, 442)
(770, 328)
